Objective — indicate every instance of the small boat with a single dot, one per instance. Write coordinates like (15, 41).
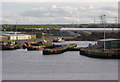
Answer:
(9, 46)
(35, 48)
(25, 45)
(58, 40)
(57, 50)
(39, 46)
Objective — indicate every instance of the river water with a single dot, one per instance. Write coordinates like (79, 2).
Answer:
(32, 65)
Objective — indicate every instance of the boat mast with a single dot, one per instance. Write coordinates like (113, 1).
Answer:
(61, 35)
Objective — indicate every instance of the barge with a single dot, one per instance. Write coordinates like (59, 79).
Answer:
(39, 47)
(100, 53)
(105, 48)
(9, 46)
(59, 50)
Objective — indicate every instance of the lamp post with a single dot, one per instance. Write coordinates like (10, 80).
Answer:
(32, 28)
(104, 30)
(94, 21)
(16, 26)
(116, 21)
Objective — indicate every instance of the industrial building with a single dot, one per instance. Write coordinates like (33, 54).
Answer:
(109, 43)
(17, 36)
(90, 29)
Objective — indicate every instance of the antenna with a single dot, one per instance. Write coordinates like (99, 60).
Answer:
(101, 19)
(72, 24)
(16, 26)
(32, 28)
(94, 21)
(116, 21)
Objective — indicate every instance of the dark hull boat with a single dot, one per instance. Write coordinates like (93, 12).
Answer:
(58, 50)
(10, 47)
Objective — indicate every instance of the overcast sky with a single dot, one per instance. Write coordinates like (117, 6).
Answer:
(57, 12)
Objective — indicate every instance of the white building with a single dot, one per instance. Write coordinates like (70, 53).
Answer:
(17, 36)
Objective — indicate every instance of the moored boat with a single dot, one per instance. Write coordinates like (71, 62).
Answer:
(58, 40)
(58, 50)
(10, 46)
(39, 46)
(100, 53)
(105, 48)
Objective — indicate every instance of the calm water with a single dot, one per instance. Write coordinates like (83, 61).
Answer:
(32, 65)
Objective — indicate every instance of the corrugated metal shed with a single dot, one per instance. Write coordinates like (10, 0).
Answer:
(110, 39)
(109, 43)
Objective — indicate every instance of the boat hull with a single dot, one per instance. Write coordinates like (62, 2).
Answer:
(58, 50)
(104, 55)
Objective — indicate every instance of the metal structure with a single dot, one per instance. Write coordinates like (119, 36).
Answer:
(104, 22)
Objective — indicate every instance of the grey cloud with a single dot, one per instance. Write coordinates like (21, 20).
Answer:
(60, 13)
(50, 12)
(33, 13)
(109, 9)
(57, 14)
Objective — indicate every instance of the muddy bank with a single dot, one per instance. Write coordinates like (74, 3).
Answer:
(94, 36)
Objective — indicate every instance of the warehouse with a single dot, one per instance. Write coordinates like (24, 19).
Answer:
(109, 43)
(17, 36)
